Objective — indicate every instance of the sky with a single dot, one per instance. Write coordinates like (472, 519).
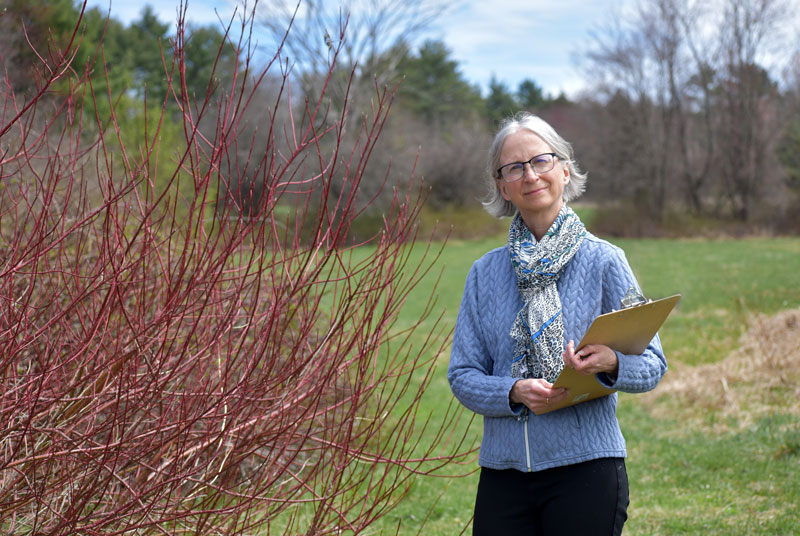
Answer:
(510, 40)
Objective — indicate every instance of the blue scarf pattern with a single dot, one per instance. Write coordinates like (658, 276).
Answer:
(538, 328)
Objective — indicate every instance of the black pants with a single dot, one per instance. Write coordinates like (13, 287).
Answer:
(584, 498)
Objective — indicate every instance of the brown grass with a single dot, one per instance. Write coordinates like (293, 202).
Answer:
(759, 377)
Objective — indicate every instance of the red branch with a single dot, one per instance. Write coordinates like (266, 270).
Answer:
(172, 363)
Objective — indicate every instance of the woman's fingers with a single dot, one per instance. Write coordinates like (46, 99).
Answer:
(537, 393)
(592, 359)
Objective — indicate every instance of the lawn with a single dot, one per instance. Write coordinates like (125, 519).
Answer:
(715, 449)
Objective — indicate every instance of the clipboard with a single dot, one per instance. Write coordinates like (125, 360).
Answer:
(628, 331)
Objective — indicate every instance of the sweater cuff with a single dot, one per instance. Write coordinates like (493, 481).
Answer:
(609, 381)
(516, 407)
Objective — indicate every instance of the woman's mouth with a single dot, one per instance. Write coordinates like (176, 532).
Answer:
(536, 191)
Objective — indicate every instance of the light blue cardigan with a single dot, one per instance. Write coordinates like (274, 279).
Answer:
(594, 282)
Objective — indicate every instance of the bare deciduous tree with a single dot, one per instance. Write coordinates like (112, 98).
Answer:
(749, 125)
(702, 107)
(373, 28)
(367, 39)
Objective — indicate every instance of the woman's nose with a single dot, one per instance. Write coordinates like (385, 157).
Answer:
(528, 172)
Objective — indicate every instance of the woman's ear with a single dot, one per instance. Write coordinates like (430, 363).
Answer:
(501, 185)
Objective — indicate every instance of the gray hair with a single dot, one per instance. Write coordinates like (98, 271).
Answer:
(495, 204)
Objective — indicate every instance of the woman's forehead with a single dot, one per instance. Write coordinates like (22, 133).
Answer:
(518, 144)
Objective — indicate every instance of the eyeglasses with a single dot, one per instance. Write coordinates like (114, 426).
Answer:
(541, 163)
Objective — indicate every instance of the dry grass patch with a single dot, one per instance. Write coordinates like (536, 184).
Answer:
(759, 378)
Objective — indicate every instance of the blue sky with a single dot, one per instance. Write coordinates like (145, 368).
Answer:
(518, 39)
(509, 39)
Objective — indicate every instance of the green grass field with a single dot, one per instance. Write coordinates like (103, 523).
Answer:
(697, 464)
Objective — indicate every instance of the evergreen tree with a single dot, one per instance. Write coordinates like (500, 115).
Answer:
(203, 66)
(500, 103)
(530, 95)
(434, 88)
(30, 32)
(148, 42)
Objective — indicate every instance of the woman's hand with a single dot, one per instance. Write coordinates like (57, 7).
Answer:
(591, 359)
(537, 394)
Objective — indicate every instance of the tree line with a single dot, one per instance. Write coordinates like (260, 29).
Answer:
(692, 111)
(697, 111)
(690, 119)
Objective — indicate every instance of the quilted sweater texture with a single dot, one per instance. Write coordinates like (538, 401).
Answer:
(479, 373)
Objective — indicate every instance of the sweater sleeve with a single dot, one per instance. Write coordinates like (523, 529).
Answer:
(637, 373)
(471, 365)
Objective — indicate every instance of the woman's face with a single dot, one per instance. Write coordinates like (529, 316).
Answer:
(538, 197)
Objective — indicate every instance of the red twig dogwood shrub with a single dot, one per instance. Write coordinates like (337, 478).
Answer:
(175, 364)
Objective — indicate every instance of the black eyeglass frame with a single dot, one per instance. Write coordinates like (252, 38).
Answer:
(529, 162)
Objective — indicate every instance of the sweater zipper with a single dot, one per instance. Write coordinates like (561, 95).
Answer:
(527, 442)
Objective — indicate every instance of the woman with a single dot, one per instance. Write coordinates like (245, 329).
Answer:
(524, 305)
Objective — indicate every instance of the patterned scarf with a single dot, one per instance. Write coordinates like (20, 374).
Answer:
(538, 329)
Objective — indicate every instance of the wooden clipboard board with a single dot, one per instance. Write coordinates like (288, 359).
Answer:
(628, 331)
